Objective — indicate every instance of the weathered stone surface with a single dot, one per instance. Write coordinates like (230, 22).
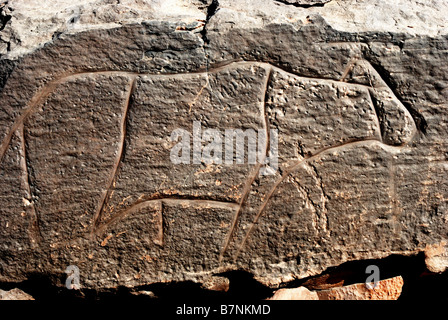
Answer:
(436, 257)
(72, 144)
(30, 24)
(163, 239)
(230, 97)
(91, 99)
(388, 289)
(217, 284)
(300, 293)
(14, 294)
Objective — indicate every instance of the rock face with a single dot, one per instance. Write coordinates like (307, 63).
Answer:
(300, 293)
(388, 289)
(351, 115)
(14, 294)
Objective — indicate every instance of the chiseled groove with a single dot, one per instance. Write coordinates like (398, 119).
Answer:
(106, 194)
(372, 88)
(159, 238)
(34, 228)
(415, 130)
(325, 199)
(376, 114)
(256, 171)
(348, 69)
(290, 170)
(35, 100)
(142, 204)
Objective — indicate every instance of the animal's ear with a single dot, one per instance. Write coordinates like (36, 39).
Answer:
(397, 125)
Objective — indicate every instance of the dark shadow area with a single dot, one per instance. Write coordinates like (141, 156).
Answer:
(242, 286)
(303, 5)
(419, 283)
(4, 18)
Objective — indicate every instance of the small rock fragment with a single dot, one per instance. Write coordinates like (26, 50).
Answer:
(436, 257)
(300, 293)
(217, 284)
(149, 294)
(15, 294)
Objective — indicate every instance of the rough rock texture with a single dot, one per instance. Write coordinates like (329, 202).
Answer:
(389, 289)
(436, 257)
(91, 93)
(15, 294)
(217, 284)
(300, 293)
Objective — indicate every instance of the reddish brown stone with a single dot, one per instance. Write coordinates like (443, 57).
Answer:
(389, 289)
(300, 293)
(15, 294)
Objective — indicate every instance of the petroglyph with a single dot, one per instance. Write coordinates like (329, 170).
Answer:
(311, 113)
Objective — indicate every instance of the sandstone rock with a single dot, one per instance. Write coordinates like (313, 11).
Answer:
(217, 284)
(300, 293)
(144, 293)
(92, 93)
(436, 257)
(30, 24)
(388, 289)
(324, 281)
(15, 294)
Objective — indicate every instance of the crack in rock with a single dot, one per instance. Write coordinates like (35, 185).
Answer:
(211, 11)
(304, 3)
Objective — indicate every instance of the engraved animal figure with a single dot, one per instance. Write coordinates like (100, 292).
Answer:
(94, 147)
